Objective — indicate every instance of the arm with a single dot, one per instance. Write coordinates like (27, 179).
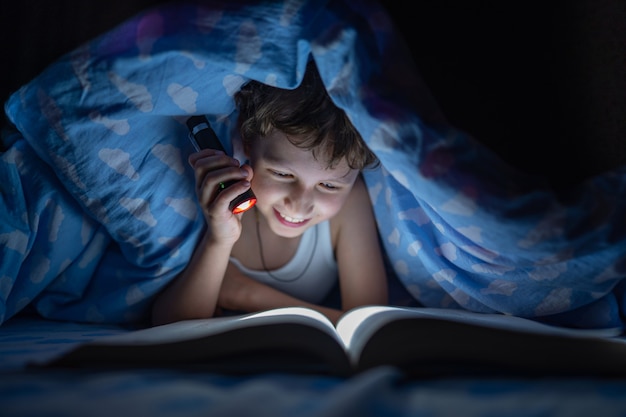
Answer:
(242, 293)
(194, 292)
(362, 276)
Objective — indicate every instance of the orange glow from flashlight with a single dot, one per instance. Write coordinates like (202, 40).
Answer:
(246, 205)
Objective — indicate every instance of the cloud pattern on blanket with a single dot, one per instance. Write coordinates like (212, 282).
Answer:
(99, 208)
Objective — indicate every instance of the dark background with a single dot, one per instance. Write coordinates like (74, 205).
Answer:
(543, 83)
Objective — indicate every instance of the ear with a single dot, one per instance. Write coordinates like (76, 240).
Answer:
(246, 148)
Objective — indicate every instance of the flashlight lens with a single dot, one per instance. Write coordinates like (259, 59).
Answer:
(246, 205)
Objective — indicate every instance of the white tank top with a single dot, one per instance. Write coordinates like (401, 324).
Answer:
(319, 278)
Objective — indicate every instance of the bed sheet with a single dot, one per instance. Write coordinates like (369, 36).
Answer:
(382, 391)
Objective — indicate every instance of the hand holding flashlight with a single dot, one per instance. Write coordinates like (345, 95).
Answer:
(203, 137)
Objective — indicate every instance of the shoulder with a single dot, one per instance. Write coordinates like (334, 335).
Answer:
(358, 195)
(356, 210)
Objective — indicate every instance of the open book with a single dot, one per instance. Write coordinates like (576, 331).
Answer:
(419, 341)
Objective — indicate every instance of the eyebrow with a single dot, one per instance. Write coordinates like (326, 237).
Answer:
(271, 160)
(343, 178)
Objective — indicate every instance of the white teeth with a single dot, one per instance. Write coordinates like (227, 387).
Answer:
(291, 219)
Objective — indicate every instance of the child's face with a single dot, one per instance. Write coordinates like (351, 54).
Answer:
(294, 191)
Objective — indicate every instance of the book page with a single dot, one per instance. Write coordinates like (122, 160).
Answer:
(192, 329)
(293, 339)
(358, 325)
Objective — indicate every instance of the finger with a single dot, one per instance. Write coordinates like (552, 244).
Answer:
(204, 153)
(219, 205)
(249, 171)
(213, 164)
(215, 183)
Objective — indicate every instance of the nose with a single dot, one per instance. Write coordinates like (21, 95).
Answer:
(300, 201)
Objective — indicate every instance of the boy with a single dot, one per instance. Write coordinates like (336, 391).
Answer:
(313, 222)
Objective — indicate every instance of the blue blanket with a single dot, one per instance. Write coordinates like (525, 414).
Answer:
(98, 208)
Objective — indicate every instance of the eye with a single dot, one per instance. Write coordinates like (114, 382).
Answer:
(329, 186)
(280, 174)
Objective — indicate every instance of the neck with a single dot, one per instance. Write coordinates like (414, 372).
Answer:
(275, 251)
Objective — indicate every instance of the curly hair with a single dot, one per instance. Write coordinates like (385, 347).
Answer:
(307, 115)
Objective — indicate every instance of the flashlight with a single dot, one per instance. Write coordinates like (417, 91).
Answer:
(202, 136)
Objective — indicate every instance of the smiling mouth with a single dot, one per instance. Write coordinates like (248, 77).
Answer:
(287, 220)
(292, 219)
